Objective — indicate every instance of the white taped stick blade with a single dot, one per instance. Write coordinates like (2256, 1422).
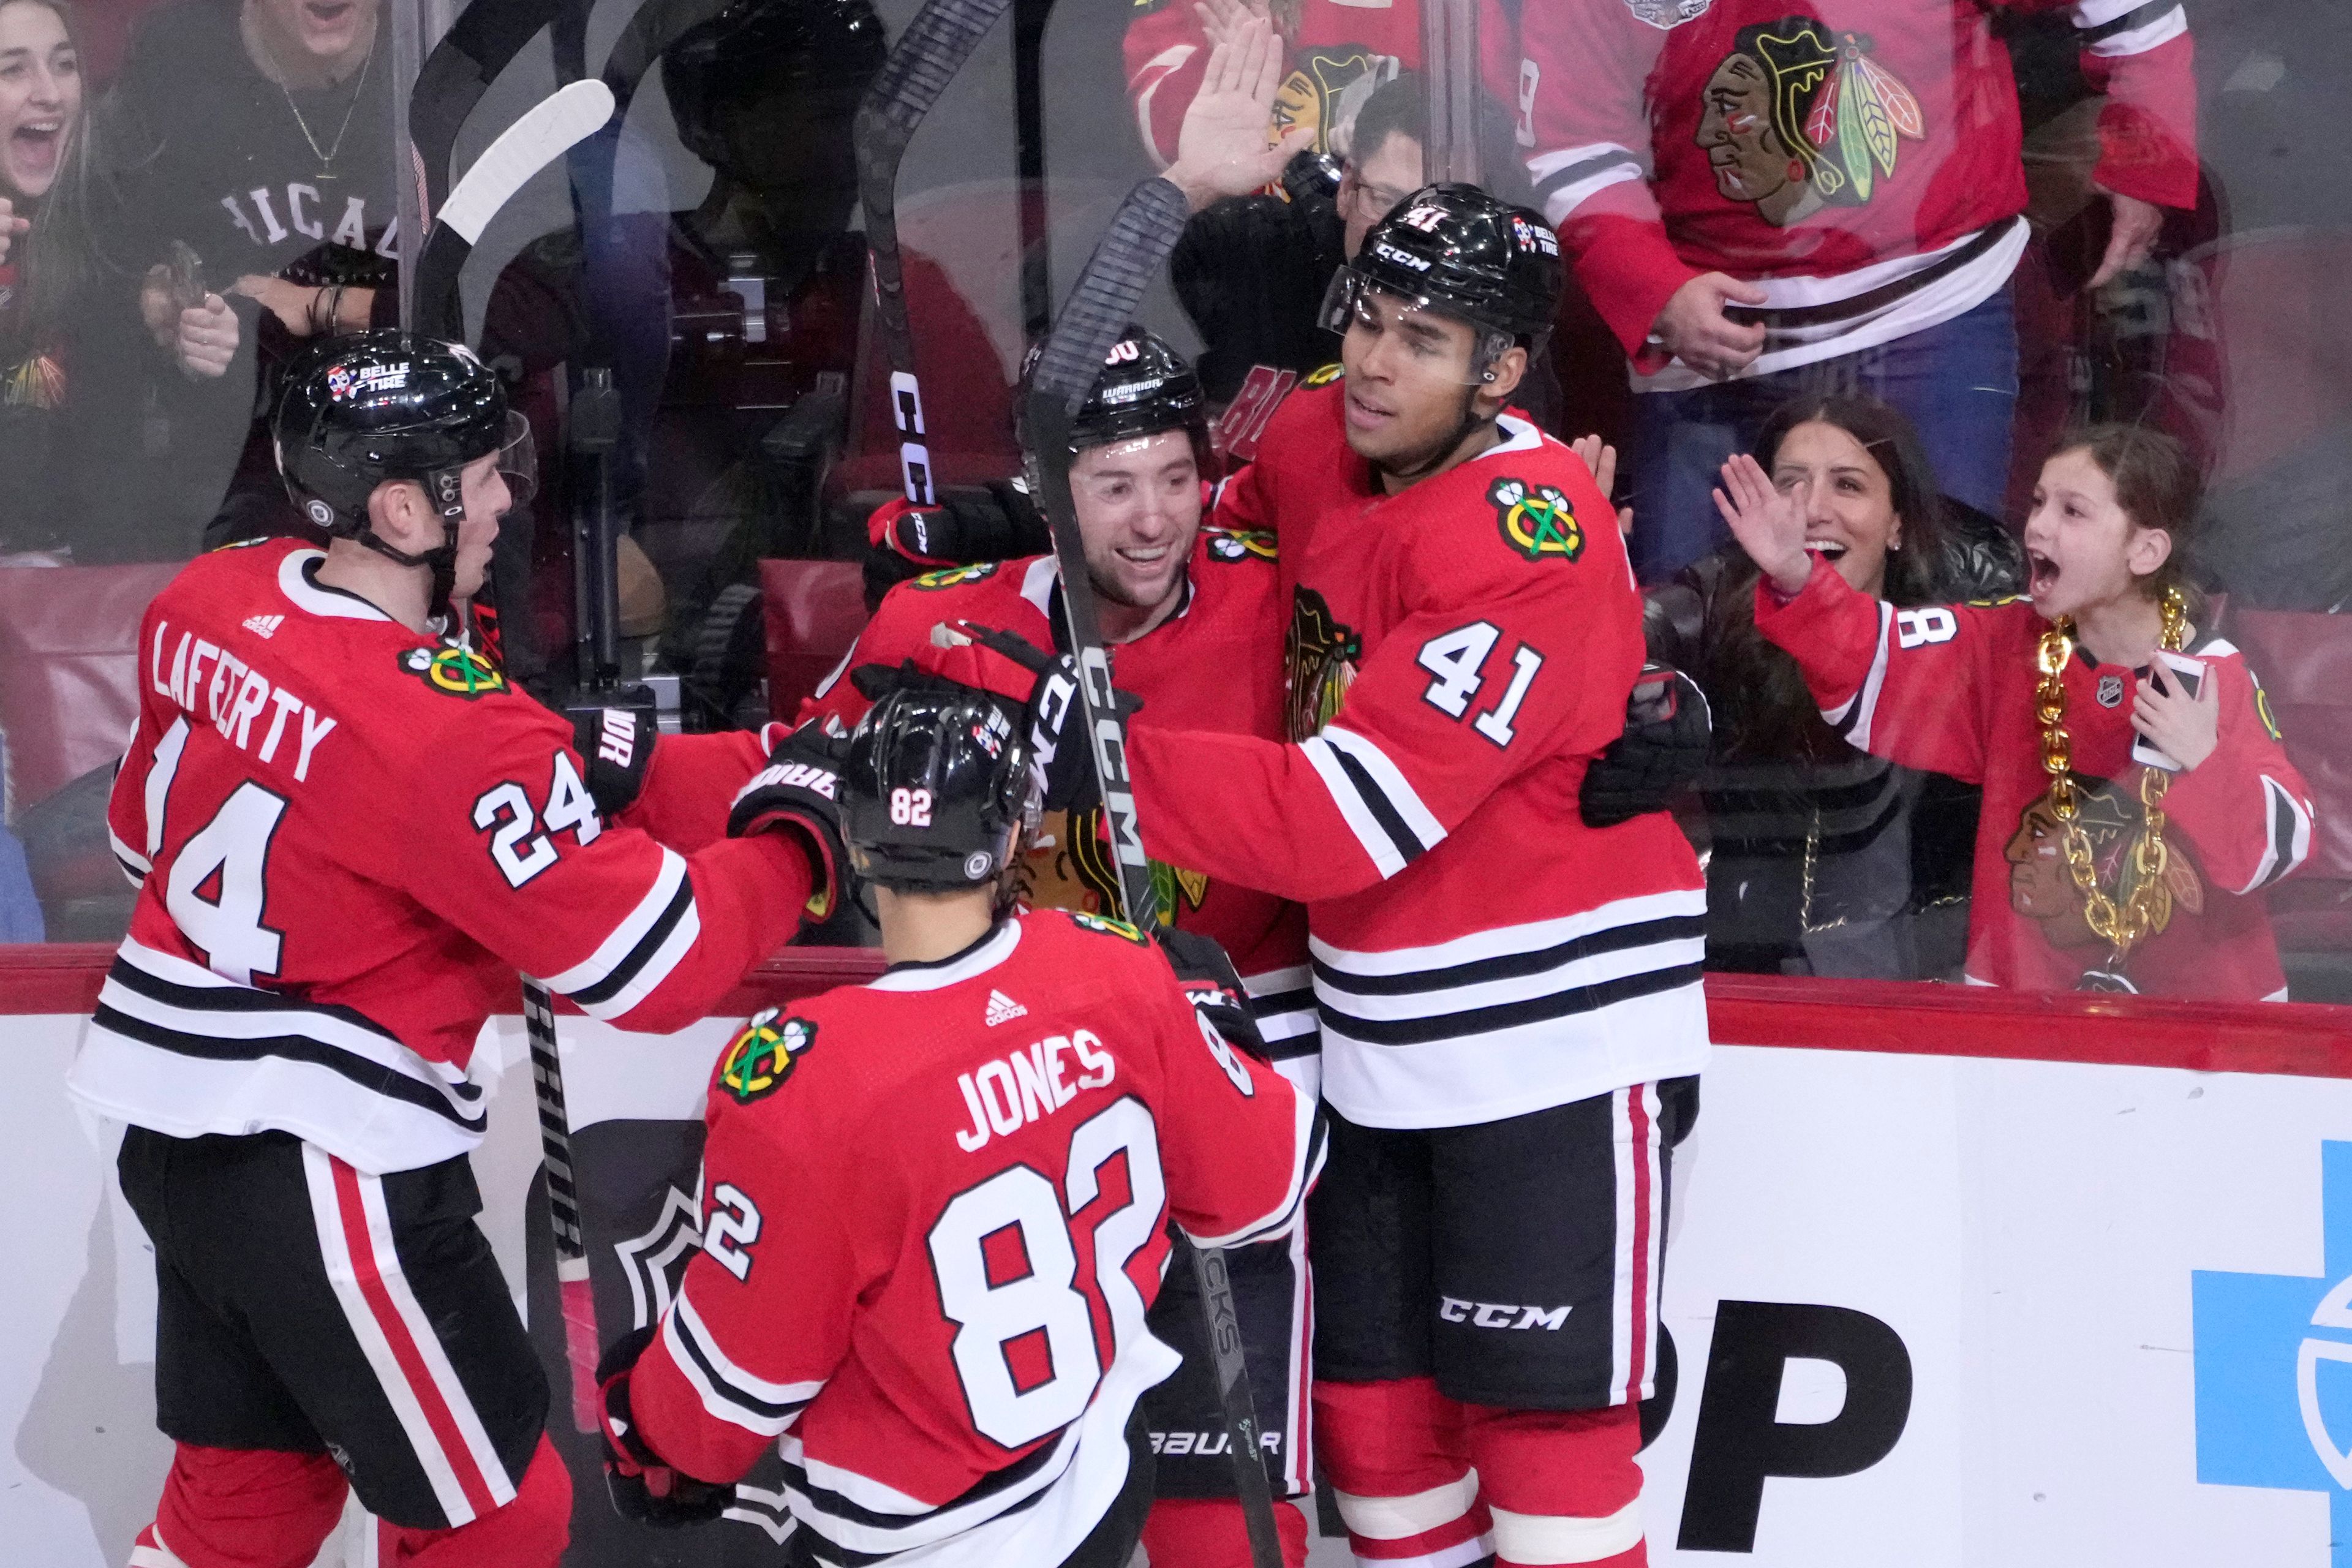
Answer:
(552, 128)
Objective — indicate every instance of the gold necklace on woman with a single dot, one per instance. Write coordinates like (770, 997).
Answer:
(2146, 906)
(326, 156)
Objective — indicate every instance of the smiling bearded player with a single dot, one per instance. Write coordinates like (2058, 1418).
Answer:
(1510, 996)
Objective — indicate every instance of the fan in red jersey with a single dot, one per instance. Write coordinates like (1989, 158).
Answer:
(348, 834)
(1773, 198)
(1196, 621)
(1509, 995)
(2143, 865)
(949, 1344)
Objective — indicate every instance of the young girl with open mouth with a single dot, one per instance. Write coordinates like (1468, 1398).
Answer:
(2136, 798)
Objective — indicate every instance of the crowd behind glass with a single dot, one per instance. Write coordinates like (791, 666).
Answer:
(1899, 253)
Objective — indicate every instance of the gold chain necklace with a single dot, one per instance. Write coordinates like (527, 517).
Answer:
(2146, 906)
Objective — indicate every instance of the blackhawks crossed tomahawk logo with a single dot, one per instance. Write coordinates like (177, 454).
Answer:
(1537, 520)
(457, 671)
(762, 1056)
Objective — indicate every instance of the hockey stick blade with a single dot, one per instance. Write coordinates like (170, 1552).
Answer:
(552, 128)
(1110, 291)
(481, 44)
(921, 64)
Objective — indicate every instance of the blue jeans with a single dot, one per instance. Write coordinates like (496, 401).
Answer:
(1956, 382)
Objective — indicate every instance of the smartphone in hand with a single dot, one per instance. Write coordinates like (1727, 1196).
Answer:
(2172, 672)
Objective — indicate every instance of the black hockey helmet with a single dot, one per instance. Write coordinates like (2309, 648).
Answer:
(1456, 251)
(937, 783)
(359, 411)
(1145, 386)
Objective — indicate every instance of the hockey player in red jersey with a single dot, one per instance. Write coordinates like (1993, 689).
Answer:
(949, 1343)
(1510, 998)
(348, 834)
(1195, 618)
(2140, 863)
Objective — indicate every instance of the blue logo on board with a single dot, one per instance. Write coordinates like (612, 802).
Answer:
(2273, 1367)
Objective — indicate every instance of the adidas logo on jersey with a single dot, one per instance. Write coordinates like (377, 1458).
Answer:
(265, 626)
(1004, 1009)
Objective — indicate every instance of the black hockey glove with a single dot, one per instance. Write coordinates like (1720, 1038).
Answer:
(1214, 989)
(1057, 740)
(800, 787)
(642, 1486)
(1661, 753)
(616, 745)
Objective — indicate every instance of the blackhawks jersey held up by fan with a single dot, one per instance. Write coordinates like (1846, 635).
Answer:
(1458, 654)
(348, 837)
(1952, 689)
(1861, 160)
(949, 1341)
(1213, 665)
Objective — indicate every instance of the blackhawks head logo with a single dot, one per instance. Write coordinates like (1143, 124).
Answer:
(1537, 520)
(1800, 117)
(459, 671)
(1318, 653)
(762, 1056)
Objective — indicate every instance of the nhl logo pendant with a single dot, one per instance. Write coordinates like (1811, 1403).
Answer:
(2111, 691)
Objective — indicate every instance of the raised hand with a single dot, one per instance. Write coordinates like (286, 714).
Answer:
(1600, 458)
(11, 225)
(1770, 526)
(1220, 18)
(1222, 148)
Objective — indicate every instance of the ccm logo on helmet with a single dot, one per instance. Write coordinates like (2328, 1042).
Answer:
(1500, 1315)
(1388, 252)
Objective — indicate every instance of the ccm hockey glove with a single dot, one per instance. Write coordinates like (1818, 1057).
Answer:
(1214, 988)
(642, 1486)
(1661, 753)
(800, 787)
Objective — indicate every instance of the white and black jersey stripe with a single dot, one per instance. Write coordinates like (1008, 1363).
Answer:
(2111, 29)
(1572, 176)
(1283, 1002)
(2286, 825)
(1515, 1018)
(177, 1048)
(1378, 803)
(641, 951)
(1852, 718)
(1035, 1509)
(728, 1392)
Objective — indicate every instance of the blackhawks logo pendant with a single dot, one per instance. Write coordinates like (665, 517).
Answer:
(1537, 520)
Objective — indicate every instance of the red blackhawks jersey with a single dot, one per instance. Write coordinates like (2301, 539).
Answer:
(1216, 664)
(1951, 688)
(1339, 51)
(1457, 655)
(948, 1342)
(347, 839)
(1861, 159)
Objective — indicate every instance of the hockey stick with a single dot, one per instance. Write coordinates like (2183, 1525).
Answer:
(548, 129)
(926, 58)
(543, 135)
(1142, 233)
